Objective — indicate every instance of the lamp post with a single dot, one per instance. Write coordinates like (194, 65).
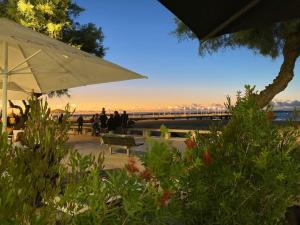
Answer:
(4, 85)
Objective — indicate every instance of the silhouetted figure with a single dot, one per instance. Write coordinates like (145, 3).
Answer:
(92, 119)
(60, 118)
(118, 122)
(103, 120)
(96, 125)
(111, 123)
(80, 124)
(124, 119)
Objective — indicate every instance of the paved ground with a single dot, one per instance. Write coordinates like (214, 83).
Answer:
(86, 144)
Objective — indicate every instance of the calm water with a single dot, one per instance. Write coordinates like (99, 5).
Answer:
(286, 116)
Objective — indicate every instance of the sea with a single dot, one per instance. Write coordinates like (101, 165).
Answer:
(282, 115)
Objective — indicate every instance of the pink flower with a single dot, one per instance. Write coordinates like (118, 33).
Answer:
(190, 143)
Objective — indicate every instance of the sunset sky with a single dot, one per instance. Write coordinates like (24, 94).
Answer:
(138, 37)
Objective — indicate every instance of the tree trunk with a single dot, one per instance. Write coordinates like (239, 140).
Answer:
(291, 51)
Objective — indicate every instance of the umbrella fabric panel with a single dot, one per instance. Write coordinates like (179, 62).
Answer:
(204, 16)
(53, 71)
(23, 77)
(16, 95)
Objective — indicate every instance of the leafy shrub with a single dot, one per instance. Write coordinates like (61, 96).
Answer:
(246, 174)
(30, 175)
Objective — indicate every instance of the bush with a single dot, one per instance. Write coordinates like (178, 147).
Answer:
(246, 174)
(30, 176)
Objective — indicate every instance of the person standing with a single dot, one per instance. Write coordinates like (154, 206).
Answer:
(96, 126)
(80, 124)
(103, 120)
(124, 119)
(111, 124)
(92, 124)
(118, 122)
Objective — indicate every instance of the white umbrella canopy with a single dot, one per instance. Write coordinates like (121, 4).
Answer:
(16, 95)
(15, 92)
(33, 62)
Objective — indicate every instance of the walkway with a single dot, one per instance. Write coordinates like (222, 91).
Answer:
(86, 144)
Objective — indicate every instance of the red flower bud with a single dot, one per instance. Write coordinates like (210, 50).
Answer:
(146, 175)
(206, 157)
(189, 158)
(270, 116)
(190, 143)
(131, 166)
(165, 199)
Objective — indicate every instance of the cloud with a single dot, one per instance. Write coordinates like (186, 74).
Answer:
(217, 105)
(287, 105)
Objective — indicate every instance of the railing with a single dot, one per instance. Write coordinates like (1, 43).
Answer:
(149, 132)
(180, 116)
(158, 116)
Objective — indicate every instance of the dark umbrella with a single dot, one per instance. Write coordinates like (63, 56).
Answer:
(210, 18)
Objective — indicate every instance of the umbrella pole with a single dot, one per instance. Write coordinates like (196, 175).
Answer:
(4, 85)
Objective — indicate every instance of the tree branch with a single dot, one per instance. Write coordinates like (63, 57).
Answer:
(291, 52)
(27, 107)
(12, 105)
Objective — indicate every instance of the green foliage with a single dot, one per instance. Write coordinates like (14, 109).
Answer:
(246, 174)
(46, 182)
(254, 173)
(268, 41)
(48, 17)
(59, 93)
(122, 198)
(31, 175)
(164, 131)
(88, 38)
(56, 19)
(165, 163)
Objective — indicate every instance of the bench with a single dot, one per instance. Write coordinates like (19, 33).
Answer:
(126, 141)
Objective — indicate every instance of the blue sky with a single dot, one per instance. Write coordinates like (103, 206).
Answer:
(138, 37)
